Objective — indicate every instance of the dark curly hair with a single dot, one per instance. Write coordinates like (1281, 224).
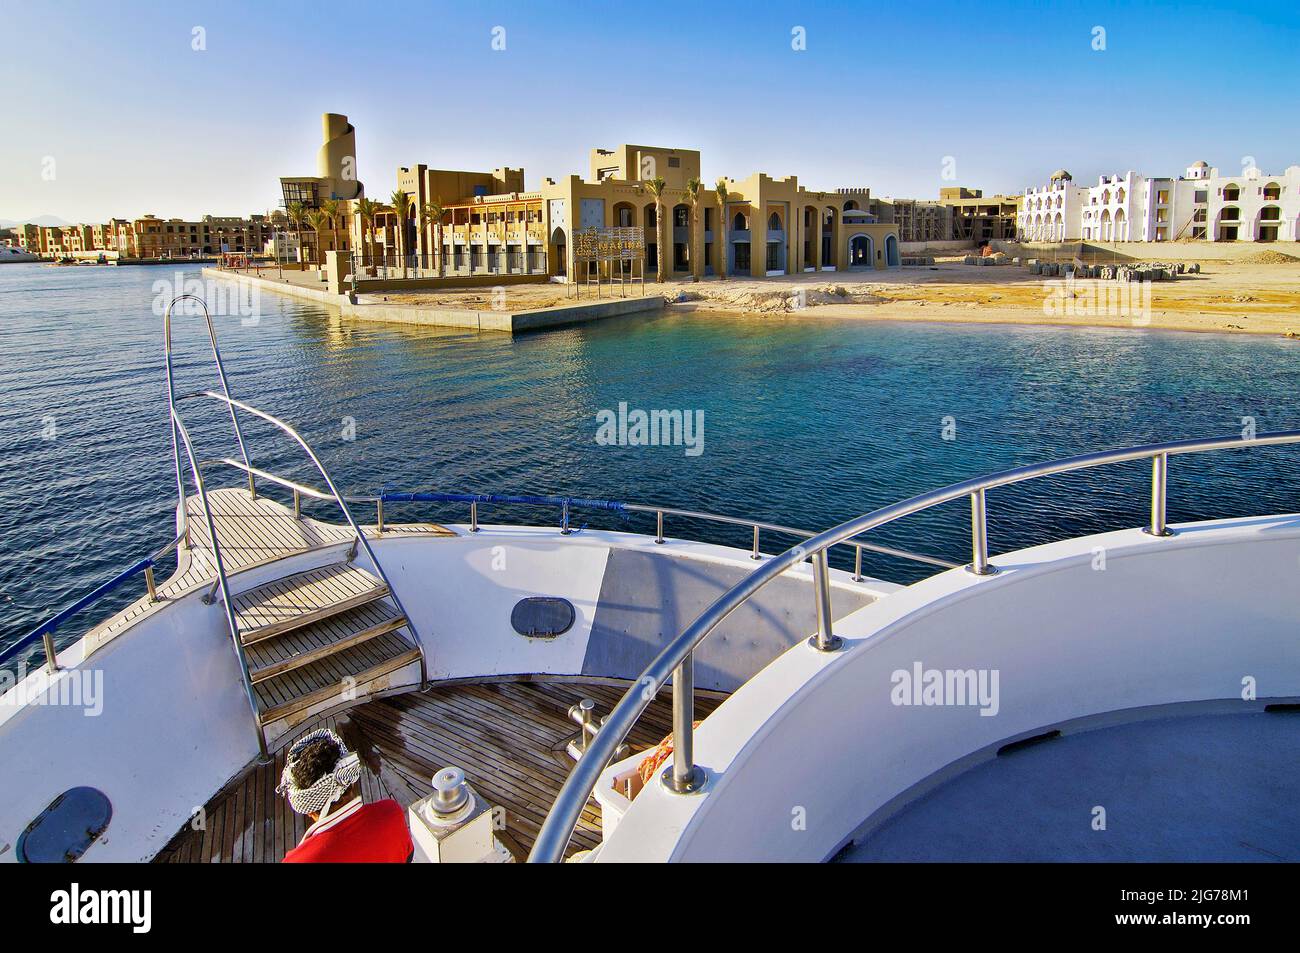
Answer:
(316, 760)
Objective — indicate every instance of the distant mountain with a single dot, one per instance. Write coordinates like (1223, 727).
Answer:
(38, 220)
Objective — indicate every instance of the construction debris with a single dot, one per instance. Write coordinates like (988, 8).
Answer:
(1134, 271)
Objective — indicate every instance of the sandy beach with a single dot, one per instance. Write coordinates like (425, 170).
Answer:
(1256, 295)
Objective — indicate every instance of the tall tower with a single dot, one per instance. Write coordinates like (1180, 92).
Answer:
(336, 163)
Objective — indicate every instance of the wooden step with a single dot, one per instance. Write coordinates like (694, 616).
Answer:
(282, 695)
(303, 598)
(310, 643)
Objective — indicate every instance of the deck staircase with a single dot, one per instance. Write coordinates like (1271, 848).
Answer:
(316, 634)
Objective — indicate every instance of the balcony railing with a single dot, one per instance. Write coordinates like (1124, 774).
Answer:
(389, 266)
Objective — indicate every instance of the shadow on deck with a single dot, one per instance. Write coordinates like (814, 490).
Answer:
(508, 736)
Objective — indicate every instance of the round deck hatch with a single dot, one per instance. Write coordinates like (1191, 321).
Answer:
(63, 831)
(542, 617)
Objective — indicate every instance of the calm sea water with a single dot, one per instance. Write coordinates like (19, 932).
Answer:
(808, 421)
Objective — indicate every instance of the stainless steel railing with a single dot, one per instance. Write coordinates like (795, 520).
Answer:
(45, 631)
(171, 399)
(565, 504)
(180, 435)
(333, 493)
(224, 583)
(676, 659)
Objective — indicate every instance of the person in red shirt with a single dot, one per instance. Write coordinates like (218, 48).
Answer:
(322, 780)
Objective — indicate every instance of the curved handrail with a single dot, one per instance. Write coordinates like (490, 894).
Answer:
(171, 401)
(178, 427)
(677, 656)
(474, 499)
(338, 498)
(564, 502)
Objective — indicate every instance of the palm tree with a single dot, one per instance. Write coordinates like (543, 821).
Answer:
(333, 208)
(367, 208)
(319, 220)
(401, 208)
(721, 189)
(297, 213)
(693, 187)
(431, 214)
(656, 188)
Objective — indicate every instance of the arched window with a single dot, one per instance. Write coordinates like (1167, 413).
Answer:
(850, 205)
(739, 223)
(1230, 214)
(1119, 196)
(774, 222)
(1231, 193)
(1272, 192)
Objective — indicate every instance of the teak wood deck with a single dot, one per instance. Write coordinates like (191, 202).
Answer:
(508, 736)
(251, 530)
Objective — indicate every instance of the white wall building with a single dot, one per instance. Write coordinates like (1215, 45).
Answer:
(1201, 204)
(1053, 212)
(1253, 207)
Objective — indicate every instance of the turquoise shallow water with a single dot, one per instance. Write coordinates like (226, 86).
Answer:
(807, 420)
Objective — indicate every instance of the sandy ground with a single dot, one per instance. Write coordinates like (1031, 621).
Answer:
(1260, 295)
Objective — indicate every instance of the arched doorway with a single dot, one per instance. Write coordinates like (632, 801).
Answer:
(891, 251)
(1227, 224)
(830, 219)
(811, 245)
(862, 252)
(650, 223)
(681, 237)
(624, 215)
(1268, 225)
(558, 253)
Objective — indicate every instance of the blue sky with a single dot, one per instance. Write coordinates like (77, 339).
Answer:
(138, 121)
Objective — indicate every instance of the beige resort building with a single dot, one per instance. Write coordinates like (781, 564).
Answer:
(491, 226)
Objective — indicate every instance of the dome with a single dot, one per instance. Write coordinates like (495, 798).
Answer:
(1062, 174)
(1200, 165)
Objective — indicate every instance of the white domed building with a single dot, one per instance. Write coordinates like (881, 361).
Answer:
(1053, 212)
(1131, 207)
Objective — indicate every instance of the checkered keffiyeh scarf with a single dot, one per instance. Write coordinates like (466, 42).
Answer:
(318, 797)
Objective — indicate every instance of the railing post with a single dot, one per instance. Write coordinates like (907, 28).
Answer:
(684, 776)
(473, 517)
(379, 514)
(1159, 472)
(51, 657)
(857, 564)
(825, 640)
(659, 523)
(297, 504)
(979, 564)
(755, 554)
(148, 584)
(564, 519)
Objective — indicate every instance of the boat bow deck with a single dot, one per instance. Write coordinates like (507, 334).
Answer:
(508, 736)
